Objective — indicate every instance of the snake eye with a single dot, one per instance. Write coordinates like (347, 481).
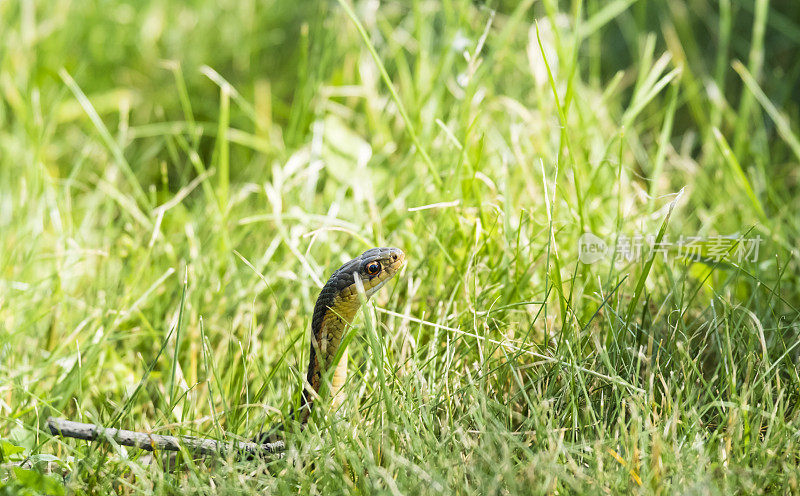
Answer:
(373, 268)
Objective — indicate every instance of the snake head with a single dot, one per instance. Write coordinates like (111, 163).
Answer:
(373, 267)
(378, 265)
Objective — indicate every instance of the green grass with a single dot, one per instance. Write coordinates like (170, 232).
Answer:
(176, 182)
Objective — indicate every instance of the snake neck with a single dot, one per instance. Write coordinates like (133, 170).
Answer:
(337, 382)
(327, 332)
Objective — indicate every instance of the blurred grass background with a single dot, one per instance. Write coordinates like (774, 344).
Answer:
(152, 155)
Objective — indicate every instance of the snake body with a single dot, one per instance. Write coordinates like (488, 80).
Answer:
(336, 306)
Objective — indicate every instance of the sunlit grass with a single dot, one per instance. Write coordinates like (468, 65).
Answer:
(176, 185)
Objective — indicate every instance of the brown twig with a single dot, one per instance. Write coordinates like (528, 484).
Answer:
(152, 442)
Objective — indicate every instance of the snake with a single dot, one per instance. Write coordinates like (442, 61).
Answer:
(335, 308)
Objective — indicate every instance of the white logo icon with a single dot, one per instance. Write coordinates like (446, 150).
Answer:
(591, 248)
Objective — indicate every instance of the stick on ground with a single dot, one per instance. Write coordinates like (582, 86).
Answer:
(152, 442)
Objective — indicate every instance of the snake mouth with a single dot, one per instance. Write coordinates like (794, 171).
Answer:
(396, 259)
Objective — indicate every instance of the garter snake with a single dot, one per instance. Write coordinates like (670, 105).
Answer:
(336, 306)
